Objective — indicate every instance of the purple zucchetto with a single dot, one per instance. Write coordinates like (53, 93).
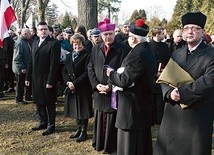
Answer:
(106, 25)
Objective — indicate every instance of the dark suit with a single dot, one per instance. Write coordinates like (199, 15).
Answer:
(173, 46)
(102, 102)
(122, 38)
(134, 113)
(44, 66)
(189, 131)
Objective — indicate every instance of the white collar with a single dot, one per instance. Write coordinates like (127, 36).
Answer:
(192, 49)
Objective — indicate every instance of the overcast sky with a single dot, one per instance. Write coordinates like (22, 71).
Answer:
(160, 8)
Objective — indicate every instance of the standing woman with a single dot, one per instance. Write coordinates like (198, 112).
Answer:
(78, 98)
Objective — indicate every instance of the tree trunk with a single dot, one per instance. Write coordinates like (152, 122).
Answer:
(42, 5)
(87, 13)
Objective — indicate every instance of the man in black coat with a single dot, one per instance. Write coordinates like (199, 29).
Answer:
(111, 53)
(9, 75)
(162, 55)
(34, 35)
(122, 36)
(189, 131)
(177, 41)
(44, 66)
(2, 68)
(135, 79)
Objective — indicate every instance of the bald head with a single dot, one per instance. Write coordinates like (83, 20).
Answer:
(25, 33)
(177, 36)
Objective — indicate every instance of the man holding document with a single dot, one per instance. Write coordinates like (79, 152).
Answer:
(188, 90)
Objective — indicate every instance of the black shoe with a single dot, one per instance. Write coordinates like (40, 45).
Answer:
(28, 99)
(2, 96)
(82, 137)
(39, 127)
(21, 102)
(48, 131)
(76, 134)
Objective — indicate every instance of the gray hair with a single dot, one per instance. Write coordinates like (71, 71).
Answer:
(139, 38)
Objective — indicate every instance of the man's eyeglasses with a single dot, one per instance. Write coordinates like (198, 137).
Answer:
(193, 28)
(117, 31)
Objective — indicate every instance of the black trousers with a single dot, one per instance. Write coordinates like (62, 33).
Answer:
(21, 89)
(9, 78)
(1, 79)
(47, 114)
(158, 110)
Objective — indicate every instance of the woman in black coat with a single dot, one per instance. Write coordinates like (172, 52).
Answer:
(78, 98)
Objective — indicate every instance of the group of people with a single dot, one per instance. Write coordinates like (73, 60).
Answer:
(112, 77)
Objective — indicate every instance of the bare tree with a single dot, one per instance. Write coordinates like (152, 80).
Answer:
(25, 6)
(155, 11)
(87, 13)
(23, 10)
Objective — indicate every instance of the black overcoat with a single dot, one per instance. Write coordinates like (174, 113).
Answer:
(135, 101)
(43, 66)
(162, 55)
(189, 131)
(78, 103)
(97, 72)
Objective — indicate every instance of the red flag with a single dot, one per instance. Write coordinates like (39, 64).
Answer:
(7, 17)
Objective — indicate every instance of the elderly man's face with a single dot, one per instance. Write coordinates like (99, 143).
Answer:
(125, 29)
(192, 34)
(108, 37)
(177, 36)
(96, 39)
